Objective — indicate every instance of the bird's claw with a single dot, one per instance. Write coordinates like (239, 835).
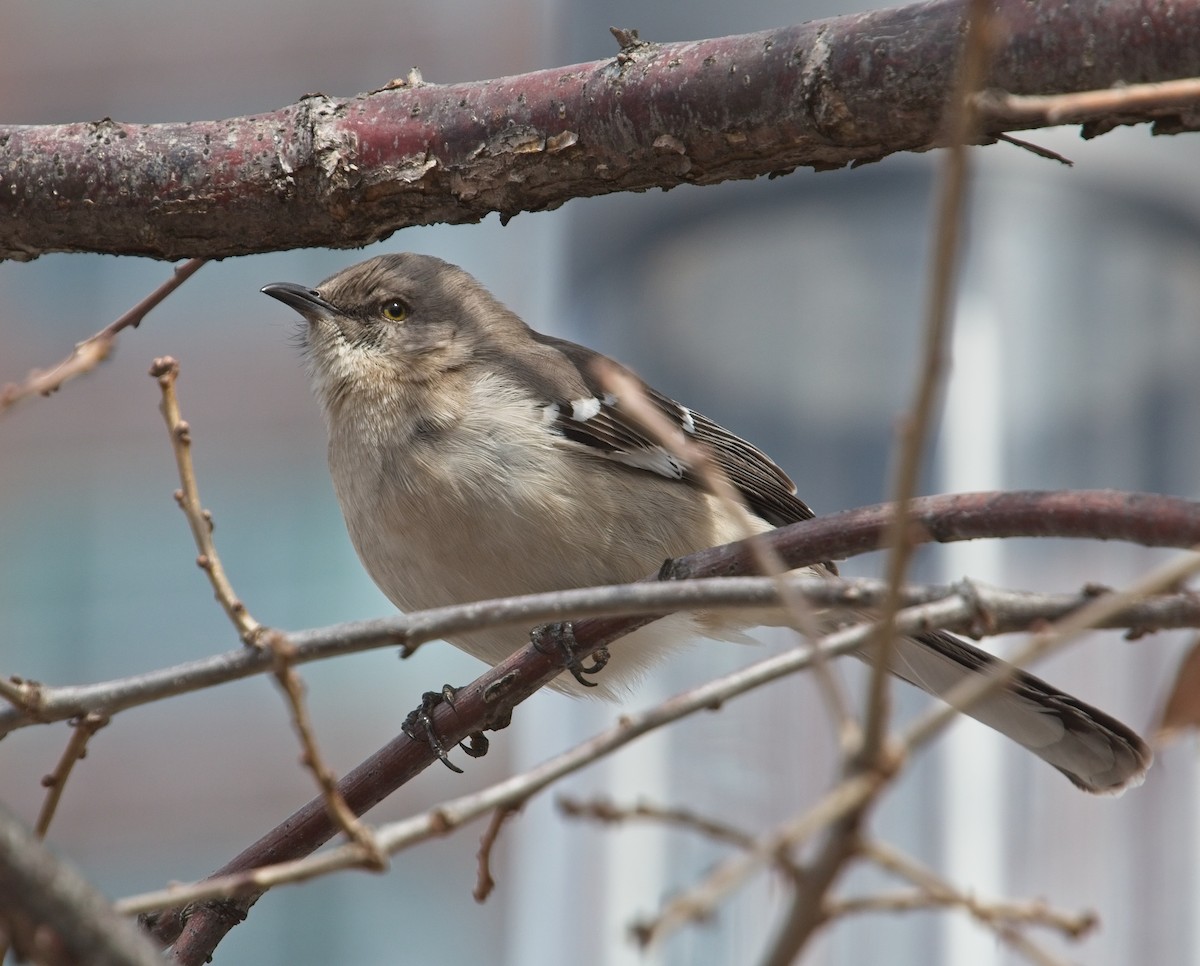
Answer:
(560, 638)
(419, 727)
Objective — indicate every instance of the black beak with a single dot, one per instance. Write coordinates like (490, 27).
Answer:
(306, 301)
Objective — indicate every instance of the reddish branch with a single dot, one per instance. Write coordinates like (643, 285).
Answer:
(1149, 520)
(342, 173)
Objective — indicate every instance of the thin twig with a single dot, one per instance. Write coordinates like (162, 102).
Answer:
(1037, 149)
(92, 351)
(701, 901)
(81, 733)
(1082, 106)
(1003, 919)
(605, 811)
(770, 564)
(484, 883)
(803, 916)
(447, 816)
(166, 371)
(914, 428)
(293, 690)
(1072, 925)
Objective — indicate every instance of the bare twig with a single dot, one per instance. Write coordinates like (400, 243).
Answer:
(1073, 925)
(484, 883)
(716, 481)
(1036, 149)
(293, 690)
(701, 901)
(1080, 106)
(803, 916)
(698, 903)
(603, 811)
(246, 875)
(166, 371)
(81, 733)
(914, 427)
(92, 351)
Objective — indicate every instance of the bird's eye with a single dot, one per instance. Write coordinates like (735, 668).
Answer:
(394, 310)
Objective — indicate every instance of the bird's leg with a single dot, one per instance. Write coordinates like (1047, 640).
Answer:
(560, 638)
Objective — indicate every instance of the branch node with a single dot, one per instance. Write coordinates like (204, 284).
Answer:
(628, 39)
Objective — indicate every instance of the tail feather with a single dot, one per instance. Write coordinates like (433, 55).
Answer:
(1094, 750)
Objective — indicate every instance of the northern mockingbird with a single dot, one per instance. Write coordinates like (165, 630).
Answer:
(475, 458)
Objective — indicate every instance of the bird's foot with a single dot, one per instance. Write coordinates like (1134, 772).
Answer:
(560, 638)
(419, 727)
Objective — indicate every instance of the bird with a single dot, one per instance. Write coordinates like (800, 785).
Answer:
(474, 458)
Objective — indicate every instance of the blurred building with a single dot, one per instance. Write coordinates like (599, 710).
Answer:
(788, 310)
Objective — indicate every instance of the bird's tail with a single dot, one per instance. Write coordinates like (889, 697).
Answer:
(1097, 752)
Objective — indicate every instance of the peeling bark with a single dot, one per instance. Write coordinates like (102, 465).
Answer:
(343, 173)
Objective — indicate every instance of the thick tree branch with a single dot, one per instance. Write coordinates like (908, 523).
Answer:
(342, 173)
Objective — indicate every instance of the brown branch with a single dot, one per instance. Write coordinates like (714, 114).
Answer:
(345, 172)
(1003, 918)
(844, 809)
(514, 791)
(1073, 925)
(92, 351)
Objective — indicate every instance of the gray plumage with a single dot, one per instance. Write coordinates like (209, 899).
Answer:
(475, 458)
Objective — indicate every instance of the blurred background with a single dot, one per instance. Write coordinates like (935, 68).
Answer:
(788, 310)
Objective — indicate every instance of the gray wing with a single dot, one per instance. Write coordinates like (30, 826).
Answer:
(1094, 750)
(584, 412)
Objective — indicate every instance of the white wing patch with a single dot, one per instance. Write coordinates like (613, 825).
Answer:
(686, 421)
(584, 409)
(653, 458)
